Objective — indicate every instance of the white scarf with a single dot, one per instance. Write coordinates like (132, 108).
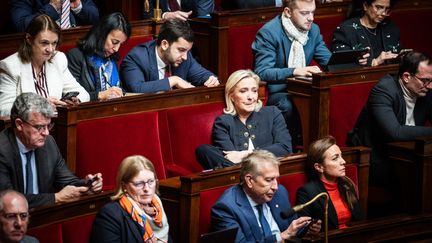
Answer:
(299, 39)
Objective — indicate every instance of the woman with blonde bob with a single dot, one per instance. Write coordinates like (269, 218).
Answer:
(136, 213)
(245, 125)
(325, 168)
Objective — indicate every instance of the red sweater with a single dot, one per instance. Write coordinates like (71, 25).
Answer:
(342, 209)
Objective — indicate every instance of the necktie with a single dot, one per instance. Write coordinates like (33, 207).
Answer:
(64, 19)
(264, 224)
(29, 173)
(173, 5)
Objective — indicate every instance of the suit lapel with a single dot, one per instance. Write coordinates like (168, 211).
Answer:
(17, 161)
(42, 169)
(154, 73)
(133, 227)
(248, 213)
(26, 79)
(332, 217)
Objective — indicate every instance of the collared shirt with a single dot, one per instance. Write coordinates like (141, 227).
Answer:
(410, 101)
(161, 65)
(24, 150)
(267, 215)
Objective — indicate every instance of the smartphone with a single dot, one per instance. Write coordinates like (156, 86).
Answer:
(403, 52)
(90, 182)
(69, 95)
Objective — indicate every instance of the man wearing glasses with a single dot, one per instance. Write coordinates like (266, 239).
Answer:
(397, 109)
(30, 161)
(14, 218)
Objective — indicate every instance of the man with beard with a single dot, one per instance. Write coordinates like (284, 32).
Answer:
(285, 47)
(14, 218)
(255, 205)
(30, 161)
(165, 63)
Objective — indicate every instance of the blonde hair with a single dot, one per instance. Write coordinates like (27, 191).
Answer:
(232, 81)
(251, 163)
(128, 169)
(291, 4)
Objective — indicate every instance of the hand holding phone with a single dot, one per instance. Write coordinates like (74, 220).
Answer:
(403, 52)
(69, 95)
(90, 181)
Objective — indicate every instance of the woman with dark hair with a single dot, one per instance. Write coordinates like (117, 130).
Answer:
(369, 27)
(38, 67)
(325, 168)
(93, 62)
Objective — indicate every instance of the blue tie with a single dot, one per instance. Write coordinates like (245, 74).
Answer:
(29, 173)
(264, 224)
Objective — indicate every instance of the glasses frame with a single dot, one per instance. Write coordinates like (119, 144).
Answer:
(425, 81)
(40, 128)
(141, 184)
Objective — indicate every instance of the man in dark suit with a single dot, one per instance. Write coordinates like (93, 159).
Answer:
(397, 109)
(179, 9)
(30, 161)
(14, 218)
(82, 12)
(255, 205)
(165, 63)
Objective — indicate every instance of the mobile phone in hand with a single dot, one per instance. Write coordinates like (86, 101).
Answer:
(69, 95)
(90, 182)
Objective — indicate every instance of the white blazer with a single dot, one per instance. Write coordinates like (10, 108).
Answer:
(17, 77)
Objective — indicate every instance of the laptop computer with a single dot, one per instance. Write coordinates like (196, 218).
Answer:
(346, 59)
(226, 235)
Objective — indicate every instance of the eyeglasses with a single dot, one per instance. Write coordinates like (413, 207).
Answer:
(379, 9)
(40, 128)
(425, 81)
(141, 184)
(14, 216)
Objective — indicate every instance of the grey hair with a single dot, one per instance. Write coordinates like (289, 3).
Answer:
(10, 191)
(27, 103)
(230, 85)
(251, 163)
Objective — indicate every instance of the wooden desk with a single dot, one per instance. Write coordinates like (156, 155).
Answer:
(399, 228)
(312, 98)
(181, 196)
(412, 161)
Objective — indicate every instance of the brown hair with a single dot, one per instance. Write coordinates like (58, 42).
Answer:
(38, 24)
(293, 3)
(316, 155)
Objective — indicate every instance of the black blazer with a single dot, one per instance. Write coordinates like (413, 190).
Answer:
(52, 171)
(382, 120)
(316, 209)
(113, 224)
(198, 7)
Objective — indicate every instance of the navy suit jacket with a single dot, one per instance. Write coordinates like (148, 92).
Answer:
(316, 209)
(23, 11)
(139, 71)
(198, 7)
(52, 172)
(234, 210)
(266, 128)
(114, 224)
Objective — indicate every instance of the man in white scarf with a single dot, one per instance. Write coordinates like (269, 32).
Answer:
(284, 47)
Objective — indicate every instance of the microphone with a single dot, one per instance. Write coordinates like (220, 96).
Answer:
(297, 208)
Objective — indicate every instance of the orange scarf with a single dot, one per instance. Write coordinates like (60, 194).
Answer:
(138, 215)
